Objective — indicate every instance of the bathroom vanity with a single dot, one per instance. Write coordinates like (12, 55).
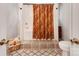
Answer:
(3, 50)
(74, 50)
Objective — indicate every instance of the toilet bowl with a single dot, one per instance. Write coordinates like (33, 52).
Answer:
(65, 46)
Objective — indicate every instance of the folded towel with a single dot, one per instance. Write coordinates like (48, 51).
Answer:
(75, 40)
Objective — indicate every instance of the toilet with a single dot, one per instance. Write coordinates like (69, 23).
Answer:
(65, 46)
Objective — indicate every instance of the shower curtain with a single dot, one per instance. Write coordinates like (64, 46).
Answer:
(43, 27)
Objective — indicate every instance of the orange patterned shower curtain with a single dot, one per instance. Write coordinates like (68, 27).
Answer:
(43, 27)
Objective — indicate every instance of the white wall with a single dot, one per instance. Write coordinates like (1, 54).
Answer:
(8, 20)
(69, 20)
(75, 20)
(12, 22)
(3, 20)
(65, 20)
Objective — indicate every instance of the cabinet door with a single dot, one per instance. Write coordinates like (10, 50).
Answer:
(3, 50)
(74, 50)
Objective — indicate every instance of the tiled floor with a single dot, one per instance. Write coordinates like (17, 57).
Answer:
(35, 52)
(38, 48)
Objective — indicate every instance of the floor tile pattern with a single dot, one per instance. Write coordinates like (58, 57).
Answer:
(38, 48)
(36, 52)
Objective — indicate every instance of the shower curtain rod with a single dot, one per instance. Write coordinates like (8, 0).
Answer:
(35, 3)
